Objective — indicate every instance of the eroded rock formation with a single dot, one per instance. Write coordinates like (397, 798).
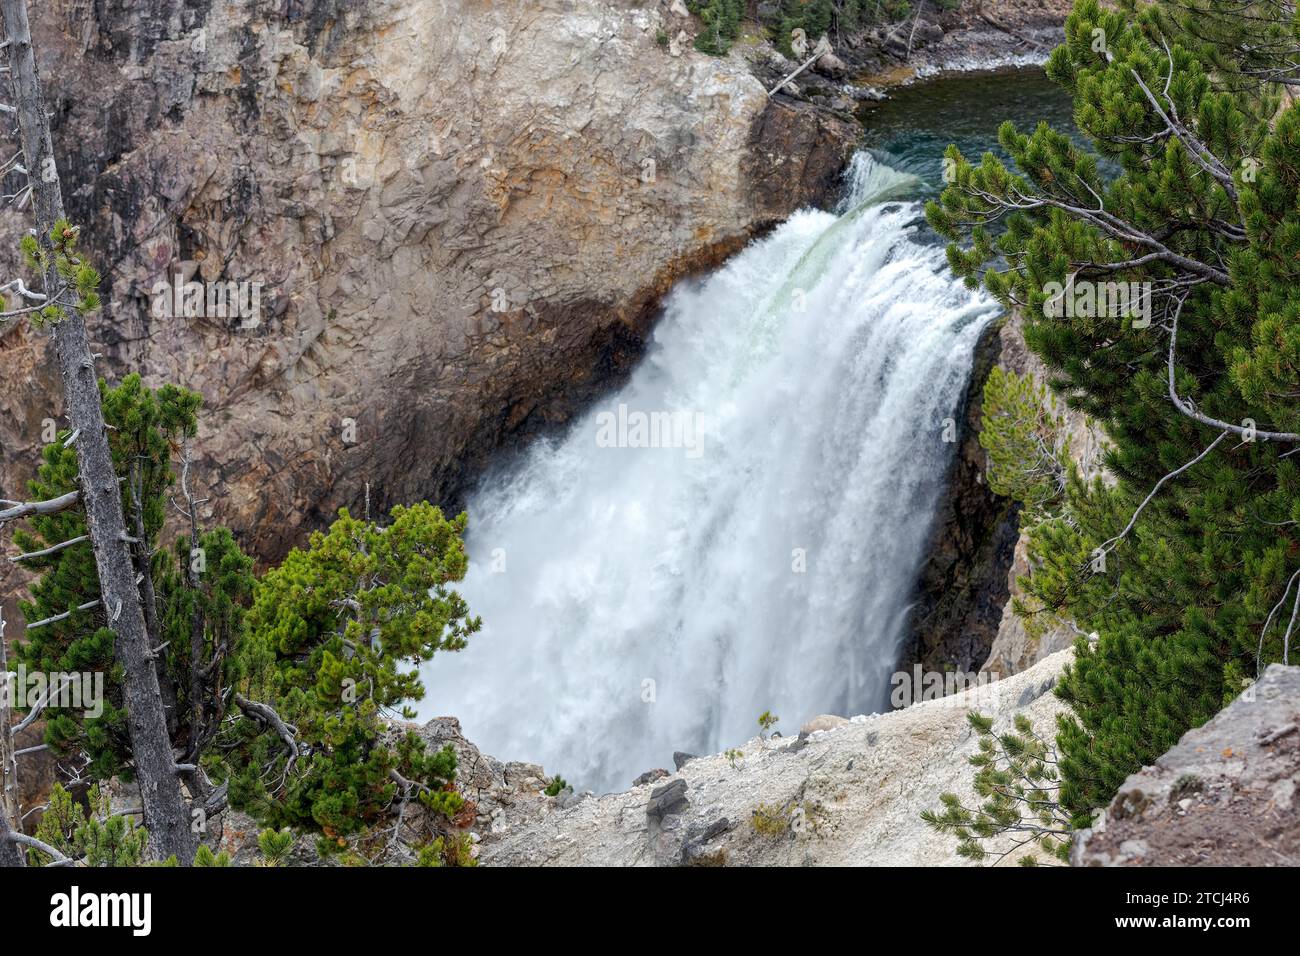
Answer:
(962, 589)
(458, 219)
(1013, 647)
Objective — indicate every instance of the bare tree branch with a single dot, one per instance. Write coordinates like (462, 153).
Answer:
(1199, 152)
(21, 509)
(64, 616)
(59, 858)
(268, 716)
(50, 550)
(1109, 546)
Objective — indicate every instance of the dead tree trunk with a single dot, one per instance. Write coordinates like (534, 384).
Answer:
(143, 561)
(165, 813)
(10, 853)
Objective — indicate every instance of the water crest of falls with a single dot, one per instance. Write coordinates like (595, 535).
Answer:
(739, 528)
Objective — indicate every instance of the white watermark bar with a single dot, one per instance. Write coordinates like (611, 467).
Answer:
(22, 689)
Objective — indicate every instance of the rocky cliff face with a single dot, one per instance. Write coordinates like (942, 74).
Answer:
(1013, 648)
(963, 617)
(456, 219)
(963, 588)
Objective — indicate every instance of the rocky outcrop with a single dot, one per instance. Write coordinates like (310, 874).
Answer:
(962, 588)
(973, 35)
(1225, 795)
(843, 792)
(1013, 648)
(963, 616)
(458, 221)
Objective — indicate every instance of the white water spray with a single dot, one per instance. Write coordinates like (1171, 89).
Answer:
(643, 596)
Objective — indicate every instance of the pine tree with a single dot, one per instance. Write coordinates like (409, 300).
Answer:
(719, 24)
(1183, 567)
(68, 632)
(836, 18)
(93, 835)
(1016, 777)
(1025, 442)
(329, 632)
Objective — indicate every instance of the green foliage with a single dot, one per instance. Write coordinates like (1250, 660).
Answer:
(1022, 436)
(835, 18)
(205, 857)
(771, 821)
(79, 282)
(331, 641)
(275, 846)
(1016, 777)
(454, 850)
(766, 721)
(329, 632)
(554, 788)
(97, 838)
(719, 24)
(144, 425)
(1181, 602)
(720, 20)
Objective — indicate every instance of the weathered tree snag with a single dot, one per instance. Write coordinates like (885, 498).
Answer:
(10, 854)
(205, 697)
(21, 509)
(143, 561)
(166, 816)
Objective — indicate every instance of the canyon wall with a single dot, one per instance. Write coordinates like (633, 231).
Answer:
(457, 219)
(1013, 647)
(963, 617)
(963, 589)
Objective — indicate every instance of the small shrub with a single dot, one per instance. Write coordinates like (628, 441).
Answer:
(1017, 778)
(770, 820)
(1024, 439)
(205, 857)
(275, 846)
(716, 858)
(96, 838)
(719, 24)
(454, 850)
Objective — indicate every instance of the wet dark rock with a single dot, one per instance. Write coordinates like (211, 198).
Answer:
(963, 586)
(666, 800)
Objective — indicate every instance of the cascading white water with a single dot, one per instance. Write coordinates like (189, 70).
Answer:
(641, 600)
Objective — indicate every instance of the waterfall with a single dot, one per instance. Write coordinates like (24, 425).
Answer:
(738, 528)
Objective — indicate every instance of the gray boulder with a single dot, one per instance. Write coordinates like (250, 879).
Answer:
(665, 800)
(650, 776)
